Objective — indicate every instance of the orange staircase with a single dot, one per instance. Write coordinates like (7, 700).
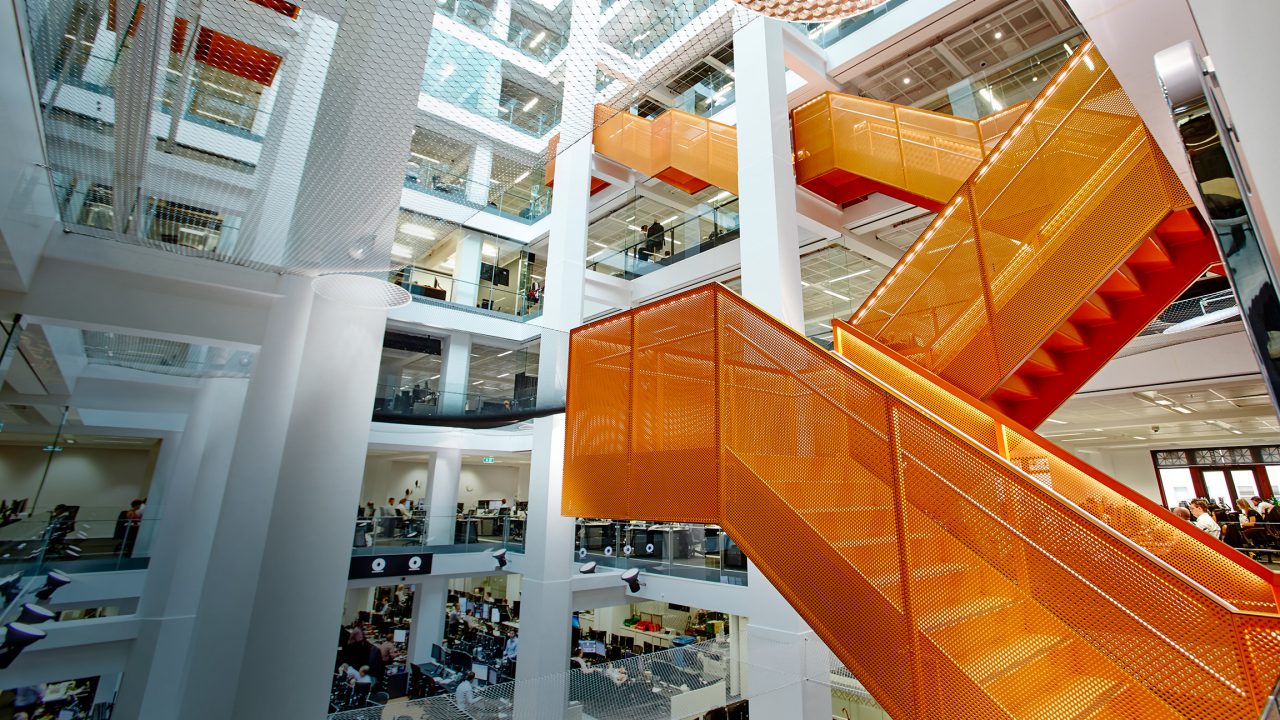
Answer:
(992, 575)
(956, 581)
(686, 151)
(1069, 238)
(847, 147)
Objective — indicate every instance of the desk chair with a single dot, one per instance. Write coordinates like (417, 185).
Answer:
(379, 698)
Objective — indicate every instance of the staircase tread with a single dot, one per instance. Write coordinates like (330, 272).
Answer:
(961, 612)
(921, 573)
(1001, 660)
(1079, 691)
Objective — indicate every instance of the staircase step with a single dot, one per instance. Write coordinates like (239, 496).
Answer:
(957, 613)
(926, 572)
(1093, 311)
(1123, 283)
(1016, 388)
(1066, 338)
(1149, 256)
(1180, 227)
(1080, 696)
(995, 663)
(1042, 363)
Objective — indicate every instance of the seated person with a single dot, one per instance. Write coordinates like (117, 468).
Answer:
(363, 677)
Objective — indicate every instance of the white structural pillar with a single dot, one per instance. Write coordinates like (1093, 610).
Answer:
(283, 541)
(430, 596)
(466, 268)
(479, 176)
(455, 373)
(152, 685)
(546, 593)
(781, 649)
(443, 504)
(766, 179)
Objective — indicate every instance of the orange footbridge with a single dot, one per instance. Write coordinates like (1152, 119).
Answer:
(971, 568)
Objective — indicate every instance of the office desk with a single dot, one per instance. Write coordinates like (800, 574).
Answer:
(466, 531)
(488, 525)
(596, 535)
(396, 684)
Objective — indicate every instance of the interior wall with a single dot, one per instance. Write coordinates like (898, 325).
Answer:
(102, 479)
(1131, 467)
(492, 482)
(386, 477)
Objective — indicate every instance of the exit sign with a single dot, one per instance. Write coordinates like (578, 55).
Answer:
(488, 460)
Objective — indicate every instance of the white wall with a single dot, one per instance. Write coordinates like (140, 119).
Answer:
(385, 477)
(1131, 467)
(88, 477)
(492, 482)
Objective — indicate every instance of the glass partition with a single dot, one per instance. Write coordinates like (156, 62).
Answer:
(644, 33)
(643, 234)
(378, 532)
(468, 77)
(698, 552)
(826, 34)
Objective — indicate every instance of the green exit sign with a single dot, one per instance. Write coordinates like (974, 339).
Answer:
(488, 460)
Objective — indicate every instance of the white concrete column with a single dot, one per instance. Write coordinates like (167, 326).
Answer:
(782, 654)
(101, 62)
(286, 143)
(283, 544)
(153, 680)
(443, 504)
(479, 177)
(455, 373)
(766, 179)
(466, 268)
(429, 599)
(501, 24)
(172, 467)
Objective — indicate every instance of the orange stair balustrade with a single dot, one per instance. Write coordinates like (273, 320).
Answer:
(683, 150)
(1066, 241)
(847, 147)
(949, 580)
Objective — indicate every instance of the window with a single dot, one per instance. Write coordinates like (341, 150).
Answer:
(1177, 485)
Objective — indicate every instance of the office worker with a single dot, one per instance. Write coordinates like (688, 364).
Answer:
(465, 695)
(513, 644)
(575, 660)
(363, 677)
(1204, 519)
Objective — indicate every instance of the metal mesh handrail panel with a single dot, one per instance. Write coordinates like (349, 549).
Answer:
(1069, 192)
(1242, 583)
(979, 592)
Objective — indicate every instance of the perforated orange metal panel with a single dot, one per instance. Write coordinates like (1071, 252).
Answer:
(1070, 192)
(847, 147)
(953, 583)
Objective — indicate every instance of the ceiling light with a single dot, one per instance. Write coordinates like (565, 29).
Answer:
(1056, 421)
(1067, 47)
(504, 354)
(1137, 437)
(401, 251)
(477, 382)
(1237, 432)
(504, 375)
(1182, 409)
(529, 105)
(537, 39)
(906, 81)
(853, 274)
(435, 377)
(1163, 401)
(999, 35)
(1035, 78)
(426, 157)
(522, 177)
(835, 294)
(447, 71)
(417, 230)
(641, 36)
(673, 217)
(489, 250)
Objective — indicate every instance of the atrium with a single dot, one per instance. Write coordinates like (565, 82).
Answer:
(639, 360)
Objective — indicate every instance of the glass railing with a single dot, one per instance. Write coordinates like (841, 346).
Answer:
(84, 538)
(686, 681)
(1195, 312)
(429, 285)
(652, 34)
(516, 203)
(703, 100)
(237, 117)
(396, 400)
(534, 41)
(537, 119)
(826, 34)
(698, 552)
(622, 248)
(1271, 710)
(380, 534)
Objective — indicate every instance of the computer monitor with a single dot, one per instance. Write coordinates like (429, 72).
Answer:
(577, 624)
(400, 636)
(495, 504)
(460, 508)
(481, 670)
(591, 647)
(495, 615)
(493, 678)
(462, 604)
(437, 653)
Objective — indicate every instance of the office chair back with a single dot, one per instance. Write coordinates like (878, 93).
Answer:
(379, 698)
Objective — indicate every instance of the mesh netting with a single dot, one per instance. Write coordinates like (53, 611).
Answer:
(281, 137)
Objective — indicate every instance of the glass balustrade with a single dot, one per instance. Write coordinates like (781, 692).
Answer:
(520, 34)
(697, 552)
(991, 91)
(618, 244)
(526, 203)
(651, 33)
(427, 531)
(433, 286)
(826, 34)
